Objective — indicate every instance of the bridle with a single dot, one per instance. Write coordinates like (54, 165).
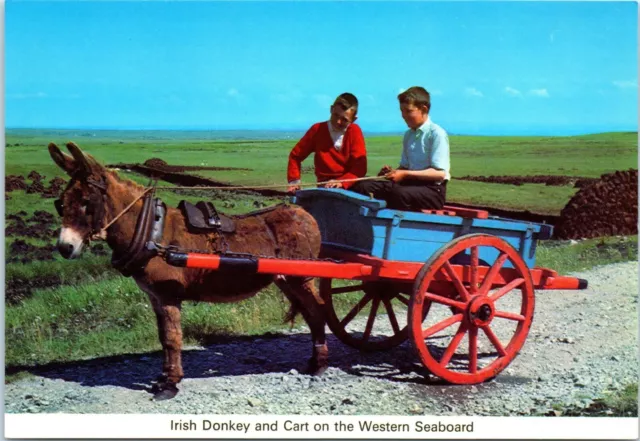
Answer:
(95, 204)
(148, 230)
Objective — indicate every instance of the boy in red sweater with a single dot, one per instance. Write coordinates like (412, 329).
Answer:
(338, 145)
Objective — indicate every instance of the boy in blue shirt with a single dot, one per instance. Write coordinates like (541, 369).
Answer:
(421, 179)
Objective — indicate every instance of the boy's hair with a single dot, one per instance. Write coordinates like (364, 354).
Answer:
(347, 101)
(416, 95)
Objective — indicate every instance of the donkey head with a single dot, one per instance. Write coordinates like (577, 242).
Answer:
(82, 204)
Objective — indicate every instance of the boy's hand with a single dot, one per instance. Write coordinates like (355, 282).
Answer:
(333, 184)
(293, 188)
(396, 175)
(385, 170)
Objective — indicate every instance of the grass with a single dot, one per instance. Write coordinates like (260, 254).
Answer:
(565, 256)
(112, 316)
(588, 155)
(622, 403)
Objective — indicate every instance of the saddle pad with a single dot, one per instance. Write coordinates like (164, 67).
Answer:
(203, 218)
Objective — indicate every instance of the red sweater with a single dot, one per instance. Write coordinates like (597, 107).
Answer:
(349, 162)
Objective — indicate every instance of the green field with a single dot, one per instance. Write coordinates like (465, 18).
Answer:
(588, 156)
(92, 311)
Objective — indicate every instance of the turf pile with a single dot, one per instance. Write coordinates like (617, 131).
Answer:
(56, 185)
(17, 182)
(155, 163)
(14, 182)
(607, 207)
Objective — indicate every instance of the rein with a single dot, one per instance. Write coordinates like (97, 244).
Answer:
(103, 230)
(100, 233)
(260, 187)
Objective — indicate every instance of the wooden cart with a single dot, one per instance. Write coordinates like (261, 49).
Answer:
(459, 283)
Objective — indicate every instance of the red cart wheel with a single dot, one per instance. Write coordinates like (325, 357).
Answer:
(378, 331)
(468, 322)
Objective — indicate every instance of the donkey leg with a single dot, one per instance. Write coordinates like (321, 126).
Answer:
(304, 296)
(170, 333)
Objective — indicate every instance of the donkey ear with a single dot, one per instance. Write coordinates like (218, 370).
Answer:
(81, 160)
(64, 161)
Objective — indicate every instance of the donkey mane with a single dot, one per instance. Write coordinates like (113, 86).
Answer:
(129, 183)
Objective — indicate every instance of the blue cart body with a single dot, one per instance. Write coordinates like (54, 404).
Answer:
(351, 222)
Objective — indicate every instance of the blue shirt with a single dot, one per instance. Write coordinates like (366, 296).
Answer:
(426, 147)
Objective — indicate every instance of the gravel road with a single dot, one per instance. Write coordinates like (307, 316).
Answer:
(582, 345)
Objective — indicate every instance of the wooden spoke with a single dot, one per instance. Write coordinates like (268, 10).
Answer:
(372, 318)
(474, 270)
(510, 315)
(344, 289)
(442, 325)
(355, 310)
(355, 332)
(507, 288)
(493, 272)
(455, 342)
(473, 349)
(403, 299)
(445, 301)
(494, 340)
(391, 315)
(456, 281)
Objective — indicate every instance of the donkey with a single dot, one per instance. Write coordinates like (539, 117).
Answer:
(95, 195)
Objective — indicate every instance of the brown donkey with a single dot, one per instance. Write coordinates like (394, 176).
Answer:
(95, 195)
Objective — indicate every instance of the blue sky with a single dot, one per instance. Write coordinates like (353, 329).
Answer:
(492, 67)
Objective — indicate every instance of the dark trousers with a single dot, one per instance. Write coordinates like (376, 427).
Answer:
(409, 195)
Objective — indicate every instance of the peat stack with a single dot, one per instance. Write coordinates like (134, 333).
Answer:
(35, 187)
(56, 185)
(36, 184)
(607, 207)
(14, 182)
(35, 176)
(156, 163)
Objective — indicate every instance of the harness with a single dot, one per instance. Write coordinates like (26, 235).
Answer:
(148, 231)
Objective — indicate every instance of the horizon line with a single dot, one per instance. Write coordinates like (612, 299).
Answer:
(381, 132)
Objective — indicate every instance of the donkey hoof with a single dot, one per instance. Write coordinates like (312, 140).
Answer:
(162, 378)
(165, 392)
(316, 369)
(319, 371)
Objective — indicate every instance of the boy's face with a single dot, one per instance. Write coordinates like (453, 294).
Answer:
(413, 116)
(340, 119)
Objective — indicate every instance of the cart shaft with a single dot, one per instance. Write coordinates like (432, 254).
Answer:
(259, 265)
(360, 267)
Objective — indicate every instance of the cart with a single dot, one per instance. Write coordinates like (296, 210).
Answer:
(459, 283)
